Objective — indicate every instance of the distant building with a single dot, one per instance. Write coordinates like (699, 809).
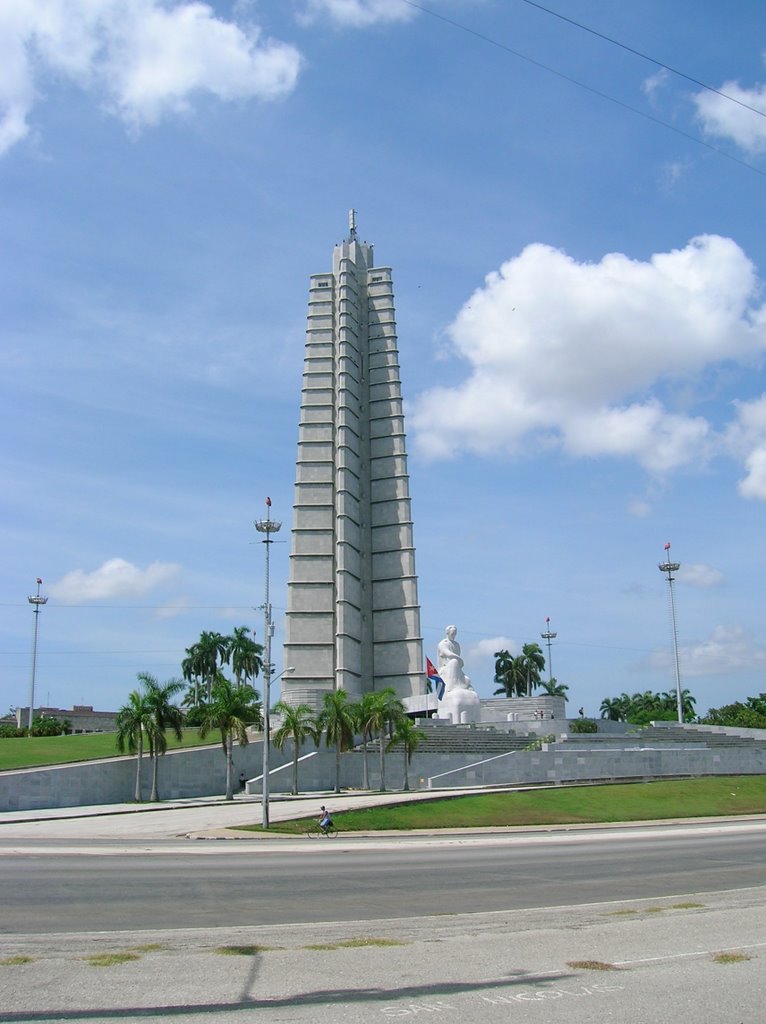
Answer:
(353, 618)
(82, 718)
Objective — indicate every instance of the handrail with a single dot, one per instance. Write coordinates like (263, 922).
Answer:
(287, 764)
(475, 764)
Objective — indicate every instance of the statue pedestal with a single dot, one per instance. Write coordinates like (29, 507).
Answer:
(460, 706)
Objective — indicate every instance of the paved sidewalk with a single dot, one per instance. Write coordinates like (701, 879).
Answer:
(215, 817)
(173, 818)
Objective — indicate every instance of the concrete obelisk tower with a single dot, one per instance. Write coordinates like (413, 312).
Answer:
(353, 619)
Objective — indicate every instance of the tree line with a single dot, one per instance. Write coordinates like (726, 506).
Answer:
(214, 702)
(641, 708)
(519, 675)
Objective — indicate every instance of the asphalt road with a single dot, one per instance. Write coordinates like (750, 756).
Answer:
(649, 924)
(112, 885)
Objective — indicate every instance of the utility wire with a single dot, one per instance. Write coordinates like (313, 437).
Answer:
(645, 56)
(581, 85)
(156, 607)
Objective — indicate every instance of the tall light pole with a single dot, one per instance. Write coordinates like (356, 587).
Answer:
(669, 568)
(36, 600)
(549, 635)
(266, 754)
(267, 526)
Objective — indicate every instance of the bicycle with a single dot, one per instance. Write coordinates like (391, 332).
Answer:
(315, 829)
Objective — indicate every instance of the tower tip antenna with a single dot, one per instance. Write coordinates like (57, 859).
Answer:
(352, 224)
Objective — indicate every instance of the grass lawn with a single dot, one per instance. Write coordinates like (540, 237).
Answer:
(686, 798)
(34, 751)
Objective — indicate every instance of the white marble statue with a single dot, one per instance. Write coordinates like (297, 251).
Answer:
(460, 702)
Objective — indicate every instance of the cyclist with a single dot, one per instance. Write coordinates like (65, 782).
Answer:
(325, 819)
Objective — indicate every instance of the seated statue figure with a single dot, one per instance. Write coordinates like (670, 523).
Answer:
(460, 702)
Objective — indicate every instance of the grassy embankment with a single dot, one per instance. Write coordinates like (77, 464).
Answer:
(688, 798)
(38, 751)
(644, 801)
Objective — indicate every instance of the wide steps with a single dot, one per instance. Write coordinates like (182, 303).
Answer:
(708, 739)
(458, 740)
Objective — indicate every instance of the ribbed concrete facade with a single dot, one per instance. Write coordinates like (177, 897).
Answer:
(353, 618)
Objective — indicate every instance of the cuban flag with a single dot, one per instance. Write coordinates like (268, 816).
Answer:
(434, 679)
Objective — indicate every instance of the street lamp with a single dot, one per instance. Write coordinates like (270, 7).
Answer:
(267, 526)
(267, 747)
(549, 635)
(669, 568)
(36, 600)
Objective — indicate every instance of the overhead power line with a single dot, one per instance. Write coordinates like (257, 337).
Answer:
(588, 88)
(644, 56)
(155, 607)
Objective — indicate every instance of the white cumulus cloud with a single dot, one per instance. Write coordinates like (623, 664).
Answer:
(722, 118)
(700, 576)
(747, 438)
(489, 647)
(640, 508)
(571, 354)
(115, 578)
(142, 59)
(357, 13)
(654, 83)
(729, 649)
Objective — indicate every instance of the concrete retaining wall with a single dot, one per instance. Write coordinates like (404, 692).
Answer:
(201, 771)
(558, 763)
(198, 771)
(555, 763)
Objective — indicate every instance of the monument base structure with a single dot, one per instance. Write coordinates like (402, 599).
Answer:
(524, 713)
(353, 618)
(459, 703)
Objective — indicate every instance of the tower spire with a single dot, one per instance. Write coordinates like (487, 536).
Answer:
(353, 618)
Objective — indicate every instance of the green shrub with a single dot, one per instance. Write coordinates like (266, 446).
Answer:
(47, 727)
(7, 730)
(583, 725)
(736, 715)
(194, 716)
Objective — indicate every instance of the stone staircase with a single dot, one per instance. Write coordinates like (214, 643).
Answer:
(459, 739)
(680, 734)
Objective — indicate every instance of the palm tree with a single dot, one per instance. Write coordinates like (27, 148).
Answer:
(231, 709)
(245, 655)
(626, 703)
(385, 711)
(364, 714)
(613, 709)
(190, 669)
(504, 673)
(644, 706)
(205, 658)
(410, 738)
(532, 664)
(670, 703)
(337, 720)
(298, 723)
(554, 688)
(164, 715)
(688, 705)
(516, 673)
(133, 720)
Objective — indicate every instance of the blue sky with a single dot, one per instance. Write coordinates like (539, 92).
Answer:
(576, 234)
